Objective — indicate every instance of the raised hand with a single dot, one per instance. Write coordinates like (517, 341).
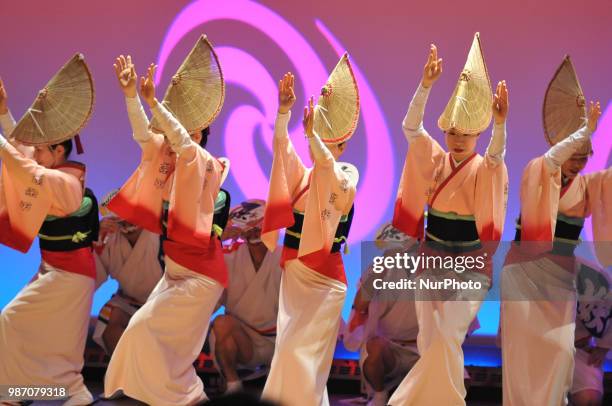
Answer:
(433, 67)
(308, 120)
(593, 116)
(286, 94)
(500, 103)
(147, 85)
(126, 75)
(3, 99)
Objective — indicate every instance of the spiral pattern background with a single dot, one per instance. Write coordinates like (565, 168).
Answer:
(241, 68)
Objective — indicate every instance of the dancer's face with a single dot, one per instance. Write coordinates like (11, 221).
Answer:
(460, 146)
(49, 156)
(573, 166)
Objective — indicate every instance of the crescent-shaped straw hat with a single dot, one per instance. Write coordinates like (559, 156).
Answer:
(62, 107)
(564, 109)
(469, 110)
(197, 90)
(337, 110)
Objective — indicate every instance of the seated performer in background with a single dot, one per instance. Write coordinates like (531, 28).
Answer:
(128, 254)
(244, 336)
(593, 338)
(383, 327)
(43, 330)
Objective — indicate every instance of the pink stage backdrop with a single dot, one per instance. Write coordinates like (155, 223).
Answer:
(257, 42)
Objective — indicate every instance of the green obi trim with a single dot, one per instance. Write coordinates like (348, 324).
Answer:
(86, 205)
(450, 215)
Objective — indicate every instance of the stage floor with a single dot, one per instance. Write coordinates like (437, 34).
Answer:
(341, 393)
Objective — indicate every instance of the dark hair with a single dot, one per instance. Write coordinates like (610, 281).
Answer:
(67, 147)
(205, 134)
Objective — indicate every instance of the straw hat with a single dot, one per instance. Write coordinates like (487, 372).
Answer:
(61, 108)
(337, 110)
(564, 110)
(247, 215)
(469, 109)
(197, 90)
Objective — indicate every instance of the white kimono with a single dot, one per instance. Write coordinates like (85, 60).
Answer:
(252, 299)
(153, 360)
(43, 330)
(538, 310)
(475, 188)
(136, 269)
(310, 299)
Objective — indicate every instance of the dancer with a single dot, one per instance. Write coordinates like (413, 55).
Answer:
(384, 328)
(316, 208)
(538, 295)
(174, 192)
(43, 330)
(244, 336)
(466, 198)
(128, 254)
(593, 334)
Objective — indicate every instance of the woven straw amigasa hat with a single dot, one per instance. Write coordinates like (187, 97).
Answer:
(197, 90)
(564, 109)
(61, 108)
(469, 109)
(337, 110)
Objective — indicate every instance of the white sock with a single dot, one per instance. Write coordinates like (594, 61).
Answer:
(380, 398)
(233, 386)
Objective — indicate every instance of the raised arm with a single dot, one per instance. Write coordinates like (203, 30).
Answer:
(321, 154)
(497, 145)
(7, 122)
(177, 135)
(562, 151)
(412, 125)
(127, 78)
(293, 166)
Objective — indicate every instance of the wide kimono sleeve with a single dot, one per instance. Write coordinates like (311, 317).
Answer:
(423, 157)
(287, 174)
(599, 194)
(492, 188)
(331, 195)
(541, 187)
(139, 200)
(28, 193)
(197, 180)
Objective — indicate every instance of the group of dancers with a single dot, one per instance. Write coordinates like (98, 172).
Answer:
(178, 250)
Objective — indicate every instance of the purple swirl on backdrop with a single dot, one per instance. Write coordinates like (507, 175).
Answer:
(602, 146)
(240, 68)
